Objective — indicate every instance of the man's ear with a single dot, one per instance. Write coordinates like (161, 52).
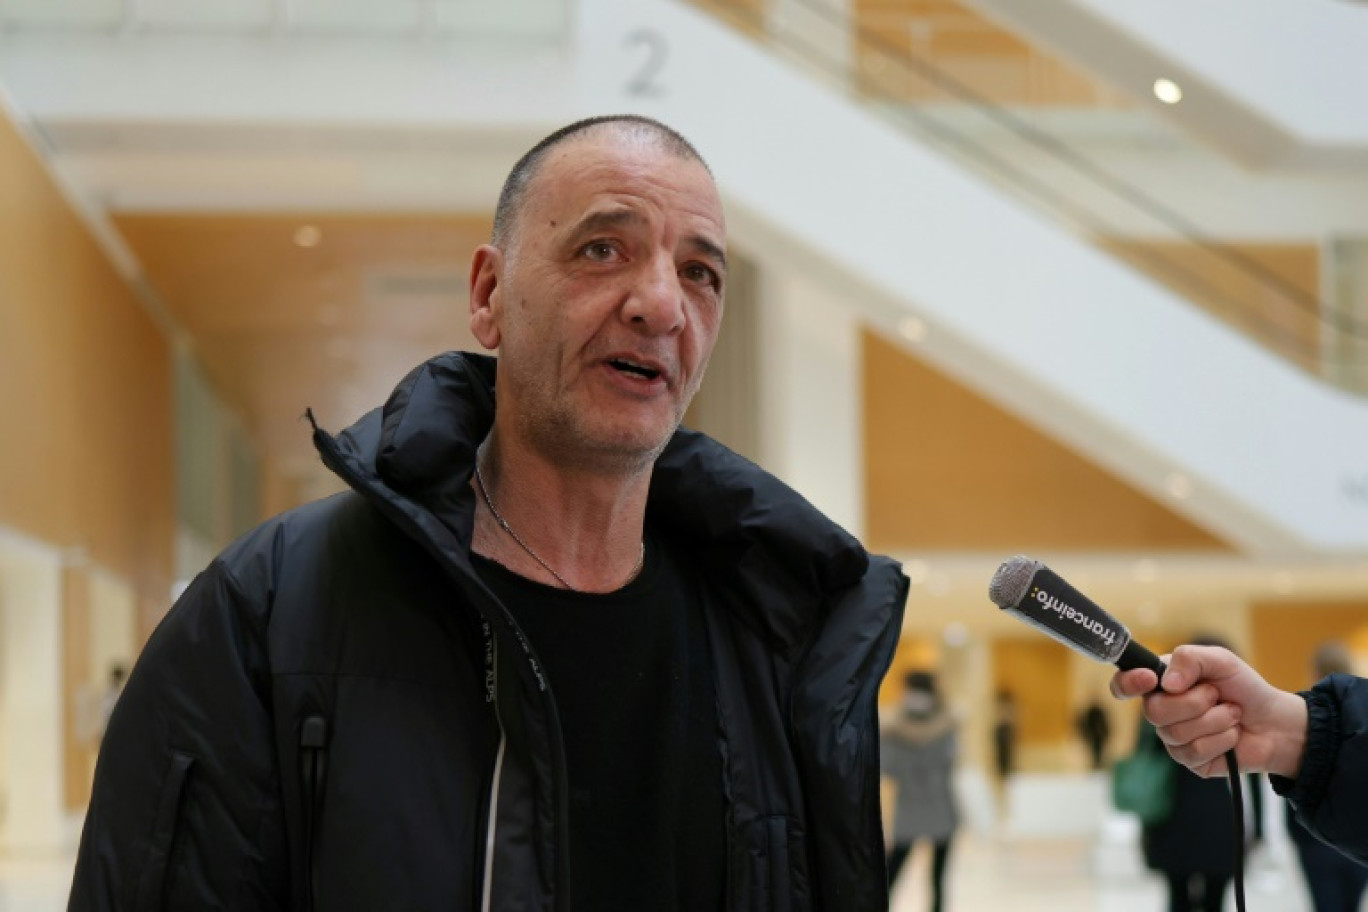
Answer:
(486, 291)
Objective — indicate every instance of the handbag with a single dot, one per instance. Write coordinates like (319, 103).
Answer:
(1144, 783)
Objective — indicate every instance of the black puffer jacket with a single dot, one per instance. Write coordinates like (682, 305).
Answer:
(334, 710)
(1330, 793)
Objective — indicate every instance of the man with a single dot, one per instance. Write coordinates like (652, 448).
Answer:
(555, 654)
(1314, 744)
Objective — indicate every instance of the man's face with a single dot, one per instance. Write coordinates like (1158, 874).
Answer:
(606, 301)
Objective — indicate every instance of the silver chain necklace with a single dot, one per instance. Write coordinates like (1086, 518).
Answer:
(503, 524)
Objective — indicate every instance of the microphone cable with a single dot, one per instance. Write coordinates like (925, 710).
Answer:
(1237, 802)
(1236, 805)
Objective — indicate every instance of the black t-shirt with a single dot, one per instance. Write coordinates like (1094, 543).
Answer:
(632, 680)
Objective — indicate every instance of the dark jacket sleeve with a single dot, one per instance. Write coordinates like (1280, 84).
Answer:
(1330, 793)
(186, 812)
(841, 768)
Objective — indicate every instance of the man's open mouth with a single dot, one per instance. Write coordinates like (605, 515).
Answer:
(631, 367)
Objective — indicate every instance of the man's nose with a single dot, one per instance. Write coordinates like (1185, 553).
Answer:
(656, 301)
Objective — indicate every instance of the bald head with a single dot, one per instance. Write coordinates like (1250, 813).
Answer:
(630, 127)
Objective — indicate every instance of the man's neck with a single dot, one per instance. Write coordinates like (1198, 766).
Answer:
(570, 527)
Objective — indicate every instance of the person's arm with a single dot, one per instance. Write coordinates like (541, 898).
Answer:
(1314, 745)
(1331, 787)
(186, 811)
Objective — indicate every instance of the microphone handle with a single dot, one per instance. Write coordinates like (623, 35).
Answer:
(1137, 656)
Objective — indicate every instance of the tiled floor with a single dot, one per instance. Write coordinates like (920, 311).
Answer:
(987, 874)
(996, 875)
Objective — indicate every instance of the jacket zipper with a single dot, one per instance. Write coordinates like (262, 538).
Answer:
(313, 766)
(491, 695)
(378, 496)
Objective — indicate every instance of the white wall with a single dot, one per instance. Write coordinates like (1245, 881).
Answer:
(31, 806)
(811, 422)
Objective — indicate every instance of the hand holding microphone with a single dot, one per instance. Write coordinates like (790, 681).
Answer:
(1212, 702)
(1205, 703)
(1213, 712)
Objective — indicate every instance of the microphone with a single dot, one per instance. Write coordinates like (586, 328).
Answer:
(1034, 593)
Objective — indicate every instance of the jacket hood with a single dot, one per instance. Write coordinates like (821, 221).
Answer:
(772, 547)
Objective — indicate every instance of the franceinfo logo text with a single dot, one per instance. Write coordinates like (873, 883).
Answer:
(1092, 625)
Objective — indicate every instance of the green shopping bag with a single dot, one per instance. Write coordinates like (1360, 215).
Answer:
(1143, 783)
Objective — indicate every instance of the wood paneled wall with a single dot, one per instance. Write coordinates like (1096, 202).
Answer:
(85, 389)
(1035, 673)
(946, 469)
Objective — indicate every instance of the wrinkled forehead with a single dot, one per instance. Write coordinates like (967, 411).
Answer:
(625, 163)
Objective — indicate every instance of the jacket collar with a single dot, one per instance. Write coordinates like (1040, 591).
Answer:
(776, 556)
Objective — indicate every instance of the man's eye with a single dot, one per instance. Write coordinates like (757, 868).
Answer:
(696, 272)
(599, 250)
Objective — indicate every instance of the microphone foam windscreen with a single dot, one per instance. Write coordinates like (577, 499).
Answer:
(1011, 581)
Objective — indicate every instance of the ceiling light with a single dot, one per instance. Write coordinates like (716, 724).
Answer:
(308, 236)
(1179, 485)
(917, 571)
(1146, 571)
(912, 329)
(955, 634)
(1167, 91)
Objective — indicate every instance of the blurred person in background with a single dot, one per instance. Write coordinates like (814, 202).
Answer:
(1094, 728)
(1336, 882)
(1004, 734)
(920, 742)
(113, 690)
(1194, 848)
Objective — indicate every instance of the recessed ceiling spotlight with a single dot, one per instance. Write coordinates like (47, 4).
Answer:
(1146, 570)
(955, 634)
(1179, 485)
(917, 571)
(308, 236)
(1167, 91)
(912, 329)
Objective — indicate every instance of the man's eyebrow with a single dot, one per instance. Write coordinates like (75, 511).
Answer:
(710, 249)
(606, 218)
